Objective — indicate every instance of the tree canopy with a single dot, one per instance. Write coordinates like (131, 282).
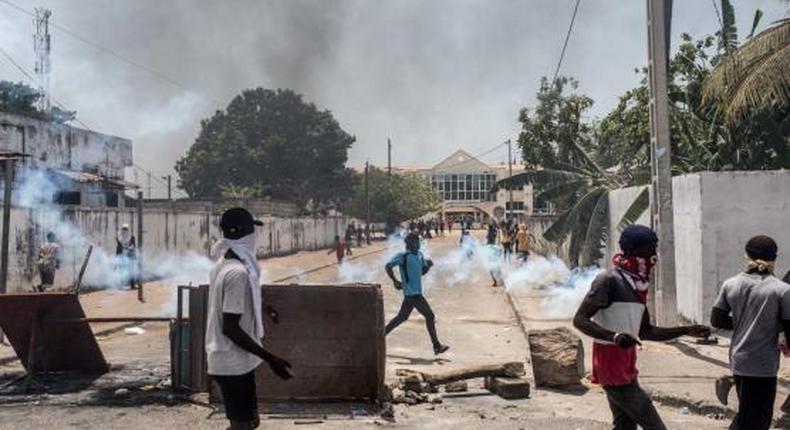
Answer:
(18, 98)
(393, 198)
(269, 143)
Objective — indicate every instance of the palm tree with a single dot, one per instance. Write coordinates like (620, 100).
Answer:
(586, 222)
(752, 77)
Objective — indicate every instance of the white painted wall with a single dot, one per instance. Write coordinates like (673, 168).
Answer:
(164, 232)
(715, 214)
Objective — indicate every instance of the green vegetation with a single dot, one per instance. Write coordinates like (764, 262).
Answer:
(393, 198)
(270, 143)
(728, 110)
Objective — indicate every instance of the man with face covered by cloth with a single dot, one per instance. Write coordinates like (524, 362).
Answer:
(234, 327)
(613, 313)
(413, 265)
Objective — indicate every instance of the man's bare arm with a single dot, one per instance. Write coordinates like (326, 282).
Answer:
(647, 331)
(234, 332)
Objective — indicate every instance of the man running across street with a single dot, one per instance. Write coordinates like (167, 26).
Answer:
(613, 313)
(234, 327)
(413, 266)
(755, 305)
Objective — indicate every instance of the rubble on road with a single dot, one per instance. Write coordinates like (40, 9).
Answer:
(557, 357)
(508, 388)
(414, 387)
(456, 387)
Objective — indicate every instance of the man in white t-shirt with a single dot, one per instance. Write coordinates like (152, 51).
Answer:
(234, 328)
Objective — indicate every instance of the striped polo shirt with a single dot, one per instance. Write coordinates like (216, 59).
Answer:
(620, 309)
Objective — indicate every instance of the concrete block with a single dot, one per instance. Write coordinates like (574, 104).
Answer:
(508, 388)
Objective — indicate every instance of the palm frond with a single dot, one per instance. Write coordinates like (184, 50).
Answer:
(561, 190)
(766, 85)
(637, 208)
(728, 36)
(560, 229)
(758, 15)
(536, 177)
(583, 215)
(597, 231)
(764, 58)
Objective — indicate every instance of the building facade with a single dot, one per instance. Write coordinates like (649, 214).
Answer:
(464, 183)
(86, 167)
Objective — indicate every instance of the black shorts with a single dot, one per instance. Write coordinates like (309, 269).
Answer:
(239, 396)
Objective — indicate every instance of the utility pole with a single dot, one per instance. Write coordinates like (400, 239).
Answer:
(389, 157)
(510, 175)
(139, 272)
(367, 193)
(659, 17)
(149, 184)
(169, 179)
(8, 165)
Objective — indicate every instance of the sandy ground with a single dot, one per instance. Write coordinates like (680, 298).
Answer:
(475, 319)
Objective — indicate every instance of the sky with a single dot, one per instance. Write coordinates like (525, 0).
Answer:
(433, 75)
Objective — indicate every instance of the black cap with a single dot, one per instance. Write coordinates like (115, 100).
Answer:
(638, 239)
(762, 248)
(237, 223)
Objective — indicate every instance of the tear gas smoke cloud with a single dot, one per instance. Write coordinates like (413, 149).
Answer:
(471, 264)
(104, 270)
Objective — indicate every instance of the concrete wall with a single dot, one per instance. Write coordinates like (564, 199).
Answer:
(60, 146)
(715, 214)
(164, 232)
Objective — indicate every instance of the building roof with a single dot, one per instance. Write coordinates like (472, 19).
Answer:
(85, 177)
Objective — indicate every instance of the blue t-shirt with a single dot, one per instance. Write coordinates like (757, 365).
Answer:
(410, 272)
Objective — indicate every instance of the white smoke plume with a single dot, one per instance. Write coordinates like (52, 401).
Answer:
(471, 264)
(104, 270)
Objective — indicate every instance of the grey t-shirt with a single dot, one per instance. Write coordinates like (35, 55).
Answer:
(758, 305)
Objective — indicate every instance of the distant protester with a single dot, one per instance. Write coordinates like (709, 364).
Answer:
(522, 243)
(339, 248)
(614, 314)
(413, 266)
(755, 305)
(126, 256)
(48, 262)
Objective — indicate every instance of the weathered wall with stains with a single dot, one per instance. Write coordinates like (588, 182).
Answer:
(60, 146)
(164, 232)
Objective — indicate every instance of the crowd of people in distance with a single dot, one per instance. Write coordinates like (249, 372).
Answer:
(354, 233)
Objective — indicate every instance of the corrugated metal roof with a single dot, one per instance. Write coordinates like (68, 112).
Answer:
(85, 177)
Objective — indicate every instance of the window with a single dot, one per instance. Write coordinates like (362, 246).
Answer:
(111, 199)
(517, 206)
(68, 198)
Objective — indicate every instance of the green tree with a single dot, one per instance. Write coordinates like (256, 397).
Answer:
(393, 198)
(18, 98)
(271, 143)
(551, 130)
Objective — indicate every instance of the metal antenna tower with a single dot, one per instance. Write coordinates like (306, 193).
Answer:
(41, 45)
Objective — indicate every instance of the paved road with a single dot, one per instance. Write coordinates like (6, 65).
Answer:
(475, 319)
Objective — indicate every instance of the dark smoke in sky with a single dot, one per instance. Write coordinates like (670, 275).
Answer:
(435, 75)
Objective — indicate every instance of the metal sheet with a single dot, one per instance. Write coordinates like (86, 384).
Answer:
(333, 336)
(56, 346)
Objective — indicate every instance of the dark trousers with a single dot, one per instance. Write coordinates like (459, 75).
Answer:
(631, 406)
(755, 403)
(239, 396)
(409, 304)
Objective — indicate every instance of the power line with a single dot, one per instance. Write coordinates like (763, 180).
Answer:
(85, 126)
(564, 45)
(106, 50)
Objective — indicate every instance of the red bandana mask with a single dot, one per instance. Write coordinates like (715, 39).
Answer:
(637, 267)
